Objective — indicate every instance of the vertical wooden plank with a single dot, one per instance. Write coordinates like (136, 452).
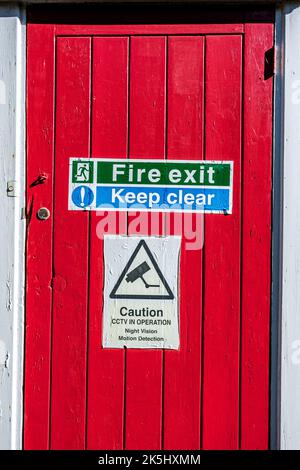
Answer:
(257, 196)
(147, 140)
(147, 95)
(185, 98)
(220, 415)
(40, 109)
(185, 141)
(109, 130)
(69, 341)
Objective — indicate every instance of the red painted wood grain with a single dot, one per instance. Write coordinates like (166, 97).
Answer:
(40, 145)
(149, 29)
(256, 249)
(110, 135)
(143, 414)
(222, 249)
(185, 141)
(149, 96)
(70, 249)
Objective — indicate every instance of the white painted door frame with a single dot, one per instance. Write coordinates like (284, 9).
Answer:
(12, 223)
(289, 146)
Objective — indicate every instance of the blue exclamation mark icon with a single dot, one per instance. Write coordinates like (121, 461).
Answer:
(82, 196)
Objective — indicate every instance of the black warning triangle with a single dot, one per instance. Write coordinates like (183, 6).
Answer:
(139, 271)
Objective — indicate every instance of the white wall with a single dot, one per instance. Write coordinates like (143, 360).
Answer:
(12, 226)
(290, 356)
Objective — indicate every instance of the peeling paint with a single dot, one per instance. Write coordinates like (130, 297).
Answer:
(2, 92)
(3, 354)
(9, 295)
(4, 361)
(12, 231)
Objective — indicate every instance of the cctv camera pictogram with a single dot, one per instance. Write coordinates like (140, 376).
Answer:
(138, 273)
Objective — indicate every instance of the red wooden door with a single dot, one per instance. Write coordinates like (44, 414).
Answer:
(194, 91)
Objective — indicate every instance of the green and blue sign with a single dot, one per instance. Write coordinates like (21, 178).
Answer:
(150, 185)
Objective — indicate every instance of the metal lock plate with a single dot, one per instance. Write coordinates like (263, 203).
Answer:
(11, 188)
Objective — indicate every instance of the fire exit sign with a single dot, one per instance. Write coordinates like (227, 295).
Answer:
(150, 185)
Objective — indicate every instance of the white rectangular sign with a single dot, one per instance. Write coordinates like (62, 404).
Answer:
(141, 292)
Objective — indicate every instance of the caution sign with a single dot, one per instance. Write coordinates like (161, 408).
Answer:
(142, 278)
(141, 292)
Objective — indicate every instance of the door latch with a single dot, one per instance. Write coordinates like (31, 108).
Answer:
(43, 213)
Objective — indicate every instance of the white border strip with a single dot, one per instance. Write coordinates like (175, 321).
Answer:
(12, 230)
(290, 340)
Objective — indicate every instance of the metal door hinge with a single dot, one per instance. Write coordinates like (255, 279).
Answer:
(11, 188)
(269, 69)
